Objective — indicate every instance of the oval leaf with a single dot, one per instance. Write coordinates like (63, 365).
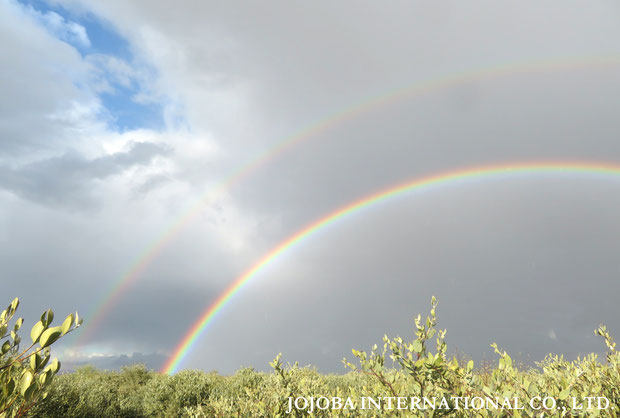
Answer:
(25, 381)
(47, 317)
(33, 362)
(10, 387)
(31, 391)
(36, 331)
(66, 325)
(55, 366)
(49, 336)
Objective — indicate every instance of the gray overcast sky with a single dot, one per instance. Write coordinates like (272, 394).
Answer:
(117, 116)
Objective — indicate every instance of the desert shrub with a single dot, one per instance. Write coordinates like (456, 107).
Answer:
(26, 374)
(416, 368)
(167, 395)
(89, 392)
(424, 373)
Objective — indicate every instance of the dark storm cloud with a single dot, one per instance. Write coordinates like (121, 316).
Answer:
(71, 179)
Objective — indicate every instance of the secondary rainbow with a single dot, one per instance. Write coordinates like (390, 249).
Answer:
(452, 177)
(315, 129)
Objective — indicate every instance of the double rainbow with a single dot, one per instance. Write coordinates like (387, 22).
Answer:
(120, 286)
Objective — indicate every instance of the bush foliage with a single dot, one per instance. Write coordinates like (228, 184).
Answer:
(27, 374)
(399, 369)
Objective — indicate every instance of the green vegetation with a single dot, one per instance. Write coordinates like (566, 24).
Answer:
(399, 379)
(25, 375)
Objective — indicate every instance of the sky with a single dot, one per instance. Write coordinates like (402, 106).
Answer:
(117, 118)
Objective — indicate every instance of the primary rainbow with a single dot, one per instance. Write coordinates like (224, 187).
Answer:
(451, 177)
(120, 286)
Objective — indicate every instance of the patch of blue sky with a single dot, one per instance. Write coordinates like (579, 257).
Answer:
(122, 111)
(103, 37)
(126, 114)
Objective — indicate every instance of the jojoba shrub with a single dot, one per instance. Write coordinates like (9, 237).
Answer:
(427, 373)
(419, 368)
(26, 374)
(89, 392)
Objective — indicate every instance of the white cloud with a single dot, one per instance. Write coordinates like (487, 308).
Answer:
(62, 28)
(46, 102)
(84, 199)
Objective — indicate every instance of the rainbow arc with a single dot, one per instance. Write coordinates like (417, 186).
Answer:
(479, 173)
(120, 286)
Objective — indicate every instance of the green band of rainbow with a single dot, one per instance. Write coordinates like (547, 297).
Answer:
(486, 172)
(120, 286)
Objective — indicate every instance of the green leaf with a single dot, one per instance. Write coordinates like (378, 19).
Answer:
(54, 367)
(564, 394)
(35, 361)
(18, 324)
(44, 360)
(417, 346)
(46, 377)
(10, 387)
(25, 381)
(31, 391)
(66, 325)
(36, 331)
(47, 317)
(50, 336)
